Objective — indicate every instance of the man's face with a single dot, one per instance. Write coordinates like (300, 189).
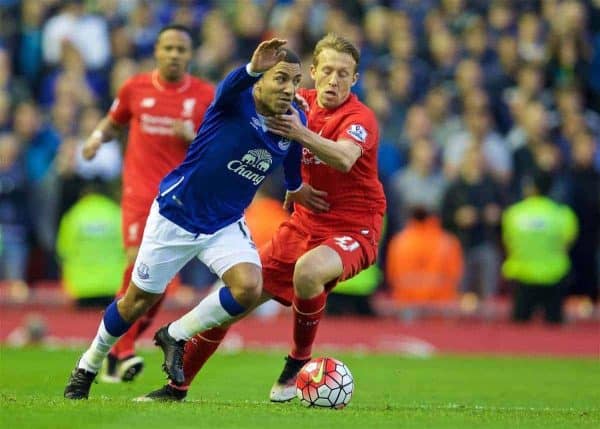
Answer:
(334, 75)
(173, 52)
(275, 91)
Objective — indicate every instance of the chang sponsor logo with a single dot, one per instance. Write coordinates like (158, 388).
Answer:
(252, 164)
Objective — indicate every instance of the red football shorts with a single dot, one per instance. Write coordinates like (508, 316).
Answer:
(292, 240)
(133, 221)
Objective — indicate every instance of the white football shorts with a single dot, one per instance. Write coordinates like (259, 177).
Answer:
(167, 247)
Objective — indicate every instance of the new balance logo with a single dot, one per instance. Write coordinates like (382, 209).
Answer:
(148, 102)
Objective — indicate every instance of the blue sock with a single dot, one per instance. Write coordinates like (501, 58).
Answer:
(229, 303)
(113, 322)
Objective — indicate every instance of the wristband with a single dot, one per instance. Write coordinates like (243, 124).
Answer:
(252, 73)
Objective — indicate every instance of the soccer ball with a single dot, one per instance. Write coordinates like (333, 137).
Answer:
(324, 382)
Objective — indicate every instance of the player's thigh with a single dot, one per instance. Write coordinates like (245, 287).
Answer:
(165, 249)
(228, 247)
(279, 258)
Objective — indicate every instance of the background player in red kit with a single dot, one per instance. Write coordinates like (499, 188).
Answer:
(163, 109)
(312, 251)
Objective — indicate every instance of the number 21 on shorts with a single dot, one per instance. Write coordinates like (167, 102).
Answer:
(346, 243)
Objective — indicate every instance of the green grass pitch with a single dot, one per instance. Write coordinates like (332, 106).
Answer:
(391, 392)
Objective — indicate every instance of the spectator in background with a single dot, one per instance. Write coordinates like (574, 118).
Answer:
(475, 41)
(249, 24)
(500, 19)
(29, 62)
(403, 47)
(445, 55)
(501, 78)
(417, 125)
(74, 171)
(468, 76)
(584, 199)
(14, 86)
(537, 233)
(439, 109)
(71, 80)
(531, 41)
(40, 142)
(215, 54)
(535, 137)
(424, 263)
(417, 190)
(73, 25)
(263, 216)
(5, 112)
(14, 218)
(479, 132)
(471, 209)
(90, 248)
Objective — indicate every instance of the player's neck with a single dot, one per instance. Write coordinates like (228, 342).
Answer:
(165, 84)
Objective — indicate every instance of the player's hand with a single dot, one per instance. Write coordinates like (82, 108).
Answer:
(266, 55)
(184, 130)
(301, 102)
(91, 145)
(288, 125)
(309, 197)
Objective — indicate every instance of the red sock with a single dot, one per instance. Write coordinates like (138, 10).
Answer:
(307, 314)
(198, 350)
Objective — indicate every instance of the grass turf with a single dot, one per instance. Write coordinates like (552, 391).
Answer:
(391, 392)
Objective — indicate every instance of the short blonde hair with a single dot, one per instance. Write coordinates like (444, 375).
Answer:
(339, 44)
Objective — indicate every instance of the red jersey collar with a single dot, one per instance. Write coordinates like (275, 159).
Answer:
(325, 110)
(163, 85)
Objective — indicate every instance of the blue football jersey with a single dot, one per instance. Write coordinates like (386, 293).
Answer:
(228, 160)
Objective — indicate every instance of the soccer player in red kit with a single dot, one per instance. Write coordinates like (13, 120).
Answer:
(163, 108)
(314, 250)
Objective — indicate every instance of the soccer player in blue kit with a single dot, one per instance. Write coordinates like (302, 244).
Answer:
(199, 211)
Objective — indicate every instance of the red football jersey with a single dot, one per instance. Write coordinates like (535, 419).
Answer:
(356, 198)
(150, 105)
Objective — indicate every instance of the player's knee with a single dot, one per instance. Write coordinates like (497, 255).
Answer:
(308, 281)
(247, 292)
(247, 289)
(245, 283)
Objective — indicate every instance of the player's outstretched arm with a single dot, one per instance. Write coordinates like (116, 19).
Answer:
(266, 55)
(340, 155)
(106, 130)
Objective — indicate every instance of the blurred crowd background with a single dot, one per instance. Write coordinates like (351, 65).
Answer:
(473, 97)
